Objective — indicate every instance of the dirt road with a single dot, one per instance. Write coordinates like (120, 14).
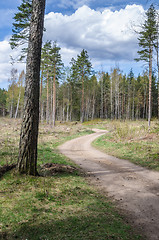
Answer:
(134, 188)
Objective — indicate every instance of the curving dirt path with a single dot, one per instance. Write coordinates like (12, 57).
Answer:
(136, 189)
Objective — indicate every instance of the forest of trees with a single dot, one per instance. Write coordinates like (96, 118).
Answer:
(95, 95)
(78, 92)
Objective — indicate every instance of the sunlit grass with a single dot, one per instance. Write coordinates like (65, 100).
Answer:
(132, 141)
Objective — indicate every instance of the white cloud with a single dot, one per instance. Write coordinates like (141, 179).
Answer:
(5, 62)
(105, 35)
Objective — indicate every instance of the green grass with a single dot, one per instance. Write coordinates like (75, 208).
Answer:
(132, 141)
(59, 207)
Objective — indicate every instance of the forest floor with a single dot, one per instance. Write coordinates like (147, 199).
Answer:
(134, 188)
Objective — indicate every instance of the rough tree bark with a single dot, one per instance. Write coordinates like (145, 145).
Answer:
(27, 162)
(158, 64)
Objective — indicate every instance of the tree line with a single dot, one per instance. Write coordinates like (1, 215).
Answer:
(78, 93)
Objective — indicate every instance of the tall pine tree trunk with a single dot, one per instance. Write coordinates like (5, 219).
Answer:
(82, 107)
(150, 81)
(101, 107)
(111, 99)
(144, 107)
(27, 162)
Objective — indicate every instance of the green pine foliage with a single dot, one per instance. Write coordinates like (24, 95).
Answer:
(81, 71)
(20, 30)
(50, 59)
(147, 41)
(148, 35)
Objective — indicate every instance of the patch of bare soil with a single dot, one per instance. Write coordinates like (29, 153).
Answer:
(134, 188)
(50, 169)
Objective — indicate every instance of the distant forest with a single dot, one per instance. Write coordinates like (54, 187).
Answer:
(103, 95)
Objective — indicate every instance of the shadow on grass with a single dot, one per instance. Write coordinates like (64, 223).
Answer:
(62, 209)
(94, 226)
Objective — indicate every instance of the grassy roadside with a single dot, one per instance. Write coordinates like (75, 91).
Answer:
(48, 136)
(58, 207)
(130, 140)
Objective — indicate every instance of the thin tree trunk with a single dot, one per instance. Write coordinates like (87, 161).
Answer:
(82, 107)
(41, 101)
(123, 105)
(133, 103)
(111, 98)
(101, 107)
(47, 103)
(116, 96)
(18, 102)
(70, 115)
(27, 162)
(51, 102)
(54, 98)
(21, 77)
(128, 109)
(150, 81)
(119, 112)
(12, 101)
(67, 114)
(3, 111)
(144, 108)
(63, 112)
(93, 108)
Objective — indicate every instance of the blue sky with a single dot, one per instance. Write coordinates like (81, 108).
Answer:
(9, 7)
(104, 28)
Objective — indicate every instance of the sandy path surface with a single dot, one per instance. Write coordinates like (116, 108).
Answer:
(136, 189)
